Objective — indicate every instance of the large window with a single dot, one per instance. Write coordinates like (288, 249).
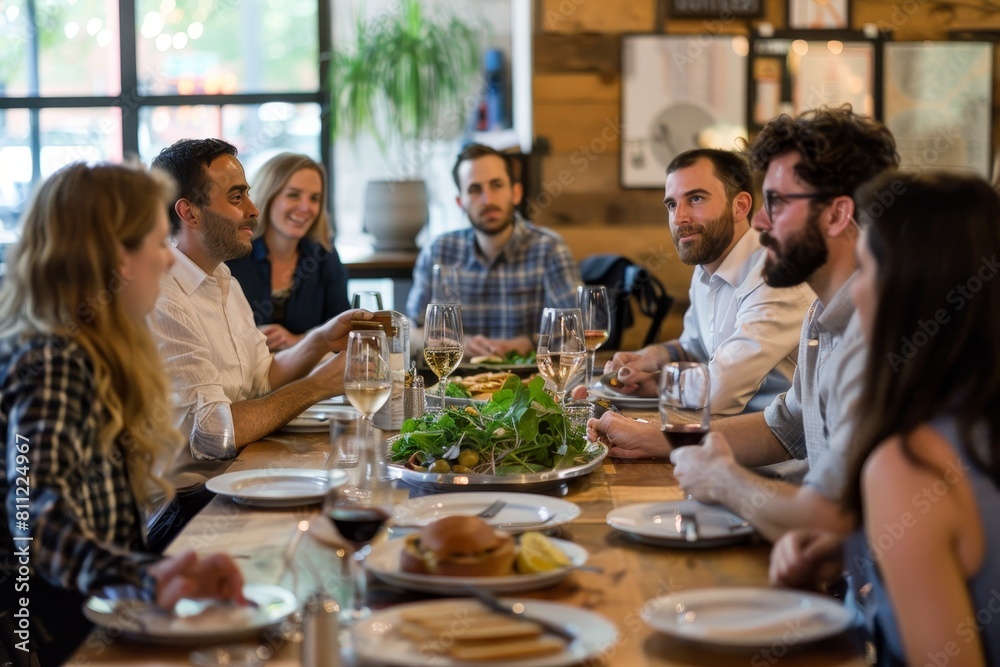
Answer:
(105, 79)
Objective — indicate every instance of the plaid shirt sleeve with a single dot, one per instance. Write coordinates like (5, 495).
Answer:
(74, 493)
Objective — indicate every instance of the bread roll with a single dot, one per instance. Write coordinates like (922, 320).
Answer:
(459, 546)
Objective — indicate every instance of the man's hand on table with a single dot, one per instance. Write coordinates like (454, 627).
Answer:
(628, 438)
(638, 372)
(703, 469)
(806, 558)
(480, 346)
(190, 576)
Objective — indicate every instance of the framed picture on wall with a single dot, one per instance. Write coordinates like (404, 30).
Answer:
(938, 101)
(819, 14)
(793, 71)
(679, 92)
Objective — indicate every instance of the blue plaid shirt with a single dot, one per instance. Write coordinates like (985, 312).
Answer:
(503, 298)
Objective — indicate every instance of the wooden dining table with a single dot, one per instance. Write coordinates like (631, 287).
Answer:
(293, 547)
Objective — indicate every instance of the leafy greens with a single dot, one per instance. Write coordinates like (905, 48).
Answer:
(520, 430)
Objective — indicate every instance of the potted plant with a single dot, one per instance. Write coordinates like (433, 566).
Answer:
(404, 81)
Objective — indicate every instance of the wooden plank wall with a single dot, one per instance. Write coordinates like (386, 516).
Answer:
(577, 95)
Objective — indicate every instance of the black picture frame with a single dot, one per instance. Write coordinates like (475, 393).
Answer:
(714, 9)
(678, 92)
(791, 71)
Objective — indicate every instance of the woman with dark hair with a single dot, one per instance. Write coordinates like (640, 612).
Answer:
(85, 418)
(293, 277)
(926, 470)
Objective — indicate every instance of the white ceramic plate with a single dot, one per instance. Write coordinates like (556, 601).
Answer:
(746, 617)
(377, 640)
(598, 390)
(317, 418)
(383, 562)
(277, 487)
(529, 511)
(216, 623)
(659, 523)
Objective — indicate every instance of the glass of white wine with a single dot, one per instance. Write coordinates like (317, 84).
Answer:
(366, 376)
(444, 343)
(561, 348)
(593, 302)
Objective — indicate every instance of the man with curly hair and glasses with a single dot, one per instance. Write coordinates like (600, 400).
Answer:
(811, 166)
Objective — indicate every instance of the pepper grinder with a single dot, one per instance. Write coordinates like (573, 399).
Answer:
(413, 399)
(321, 632)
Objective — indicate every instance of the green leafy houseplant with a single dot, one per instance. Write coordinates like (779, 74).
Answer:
(405, 80)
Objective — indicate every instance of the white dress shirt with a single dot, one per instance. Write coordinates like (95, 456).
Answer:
(214, 355)
(746, 331)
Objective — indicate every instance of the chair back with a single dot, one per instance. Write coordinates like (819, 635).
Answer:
(627, 282)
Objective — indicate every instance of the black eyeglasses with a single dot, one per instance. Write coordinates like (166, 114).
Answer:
(771, 198)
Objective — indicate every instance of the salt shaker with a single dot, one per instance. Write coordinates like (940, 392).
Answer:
(413, 399)
(321, 632)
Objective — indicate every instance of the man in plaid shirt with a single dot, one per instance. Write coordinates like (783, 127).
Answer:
(509, 269)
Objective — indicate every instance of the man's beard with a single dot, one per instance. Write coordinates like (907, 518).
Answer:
(493, 231)
(716, 235)
(801, 256)
(222, 236)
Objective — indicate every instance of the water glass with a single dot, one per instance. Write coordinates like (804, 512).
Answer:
(370, 301)
(346, 434)
(684, 402)
(577, 413)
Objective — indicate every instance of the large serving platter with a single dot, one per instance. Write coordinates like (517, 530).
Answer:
(538, 481)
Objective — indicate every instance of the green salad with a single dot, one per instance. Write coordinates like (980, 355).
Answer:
(520, 430)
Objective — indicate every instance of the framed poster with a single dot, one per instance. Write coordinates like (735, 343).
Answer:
(938, 98)
(679, 92)
(819, 14)
(796, 71)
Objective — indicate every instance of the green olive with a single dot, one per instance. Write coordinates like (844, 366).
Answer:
(465, 470)
(468, 458)
(440, 466)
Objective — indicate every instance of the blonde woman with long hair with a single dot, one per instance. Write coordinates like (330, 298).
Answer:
(85, 419)
(293, 277)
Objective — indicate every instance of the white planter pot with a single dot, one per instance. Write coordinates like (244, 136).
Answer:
(395, 212)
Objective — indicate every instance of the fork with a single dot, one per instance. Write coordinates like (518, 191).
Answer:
(493, 509)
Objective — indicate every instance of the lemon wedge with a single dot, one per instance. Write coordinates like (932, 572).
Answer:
(538, 553)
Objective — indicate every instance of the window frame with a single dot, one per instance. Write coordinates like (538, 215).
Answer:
(130, 101)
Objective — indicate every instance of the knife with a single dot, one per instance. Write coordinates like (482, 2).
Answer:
(687, 525)
(516, 610)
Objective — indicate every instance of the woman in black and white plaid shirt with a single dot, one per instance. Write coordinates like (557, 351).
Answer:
(84, 410)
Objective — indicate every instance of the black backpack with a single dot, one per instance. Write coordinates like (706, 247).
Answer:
(627, 281)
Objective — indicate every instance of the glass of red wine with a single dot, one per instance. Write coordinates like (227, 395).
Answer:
(360, 508)
(684, 402)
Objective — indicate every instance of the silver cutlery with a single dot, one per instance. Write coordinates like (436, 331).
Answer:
(493, 509)
(507, 524)
(688, 526)
(516, 610)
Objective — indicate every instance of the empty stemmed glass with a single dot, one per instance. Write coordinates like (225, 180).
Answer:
(368, 300)
(561, 348)
(359, 510)
(444, 343)
(684, 402)
(366, 376)
(593, 302)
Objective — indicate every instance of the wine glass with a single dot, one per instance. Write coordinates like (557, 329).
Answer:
(684, 402)
(359, 510)
(366, 375)
(561, 348)
(593, 302)
(444, 343)
(370, 300)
